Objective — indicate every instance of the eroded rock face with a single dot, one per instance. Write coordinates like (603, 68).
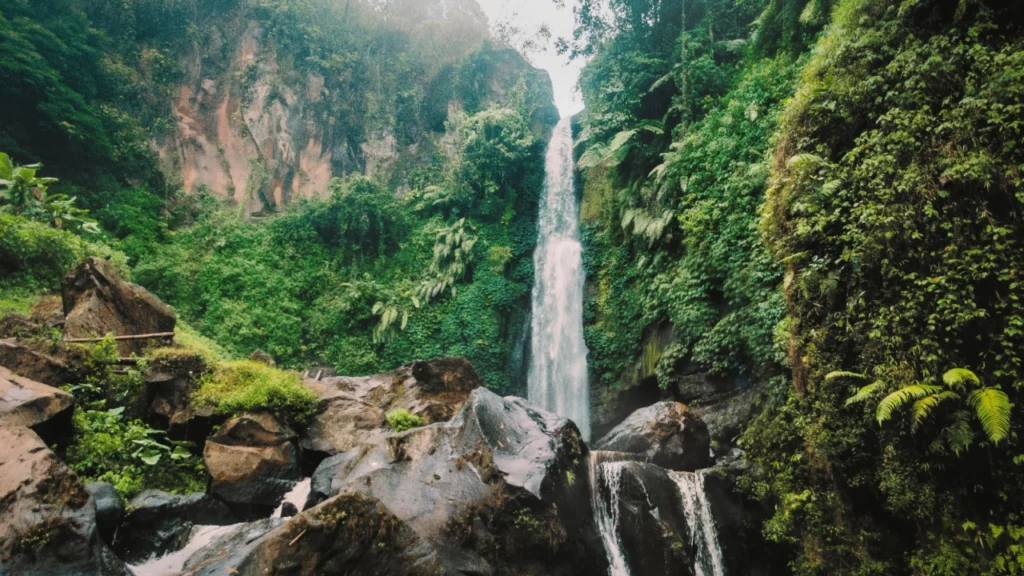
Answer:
(353, 409)
(253, 462)
(501, 488)
(170, 381)
(667, 433)
(97, 301)
(47, 518)
(35, 363)
(30, 404)
(157, 522)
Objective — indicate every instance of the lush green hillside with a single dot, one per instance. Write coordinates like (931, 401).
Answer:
(835, 219)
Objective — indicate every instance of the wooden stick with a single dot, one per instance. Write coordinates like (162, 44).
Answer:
(129, 337)
(296, 539)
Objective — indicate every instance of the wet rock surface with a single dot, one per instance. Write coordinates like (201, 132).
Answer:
(109, 509)
(157, 522)
(253, 462)
(31, 404)
(47, 517)
(97, 301)
(666, 433)
(170, 381)
(501, 488)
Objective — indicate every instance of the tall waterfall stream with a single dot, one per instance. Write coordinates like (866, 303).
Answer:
(557, 379)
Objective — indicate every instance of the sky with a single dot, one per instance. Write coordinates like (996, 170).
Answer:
(528, 16)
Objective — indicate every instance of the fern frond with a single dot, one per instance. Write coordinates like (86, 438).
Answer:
(899, 398)
(924, 407)
(959, 435)
(959, 377)
(835, 375)
(865, 392)
(993, 409)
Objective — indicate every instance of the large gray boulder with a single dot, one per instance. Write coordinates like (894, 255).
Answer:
(353, 410)
(47, 517)
(666, 433)
(501, 488)
(30, 404)
(109, 509)
(253, 462)
(97, 302)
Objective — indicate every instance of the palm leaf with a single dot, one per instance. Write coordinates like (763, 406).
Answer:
(993, 409)
(865, 392)
(899, 398)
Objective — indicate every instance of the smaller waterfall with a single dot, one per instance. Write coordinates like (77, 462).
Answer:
(296, 496)
(703, 533)
(172, 564)
(606, 508)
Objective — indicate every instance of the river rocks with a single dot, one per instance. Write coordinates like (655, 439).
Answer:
(30, 404)
(97, 301)
(501, 487)
(667, 433)
(157, 522)
(352, 410)
(253, 462)
(47, 518)
(109, 509)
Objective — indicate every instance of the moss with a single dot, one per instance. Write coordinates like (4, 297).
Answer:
(402, 420)
(246, 385)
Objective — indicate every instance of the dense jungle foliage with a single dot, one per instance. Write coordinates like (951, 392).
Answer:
(823, 198)
(362, 280)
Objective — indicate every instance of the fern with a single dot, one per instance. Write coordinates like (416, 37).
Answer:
(901, 397)
(960, 376)
(865, 392)
(924, 407)
(837, 374)
(993, 409)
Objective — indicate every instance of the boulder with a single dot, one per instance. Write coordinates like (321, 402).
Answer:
(726, 419)
(349, 534)
(16, 325)
(31, 404)
(47, 518)
(48, 311)
(36, 363)
(109, 509)
(501, 487)
(97, 301)
(253, 462)
(170, 380)
(157, 523)
(667, 433)
(352, 409)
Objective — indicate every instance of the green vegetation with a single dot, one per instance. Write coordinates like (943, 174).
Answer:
(247, 385)
(401, 420)
(112, 445)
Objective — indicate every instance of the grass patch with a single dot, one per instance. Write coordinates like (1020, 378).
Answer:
(401, 420)
(245, 385)
(17, 301)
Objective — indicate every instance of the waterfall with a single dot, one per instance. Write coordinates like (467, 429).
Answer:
(703, 534)
(557, 379)
(172, 564)
(606, 509)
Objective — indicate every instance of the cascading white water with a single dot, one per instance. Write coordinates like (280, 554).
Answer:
(704, 535)
(173, 563)
(606, 511)
(297, 496)
(557, 379)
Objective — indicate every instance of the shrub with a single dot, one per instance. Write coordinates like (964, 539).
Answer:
(246, 385)
(401, 420)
